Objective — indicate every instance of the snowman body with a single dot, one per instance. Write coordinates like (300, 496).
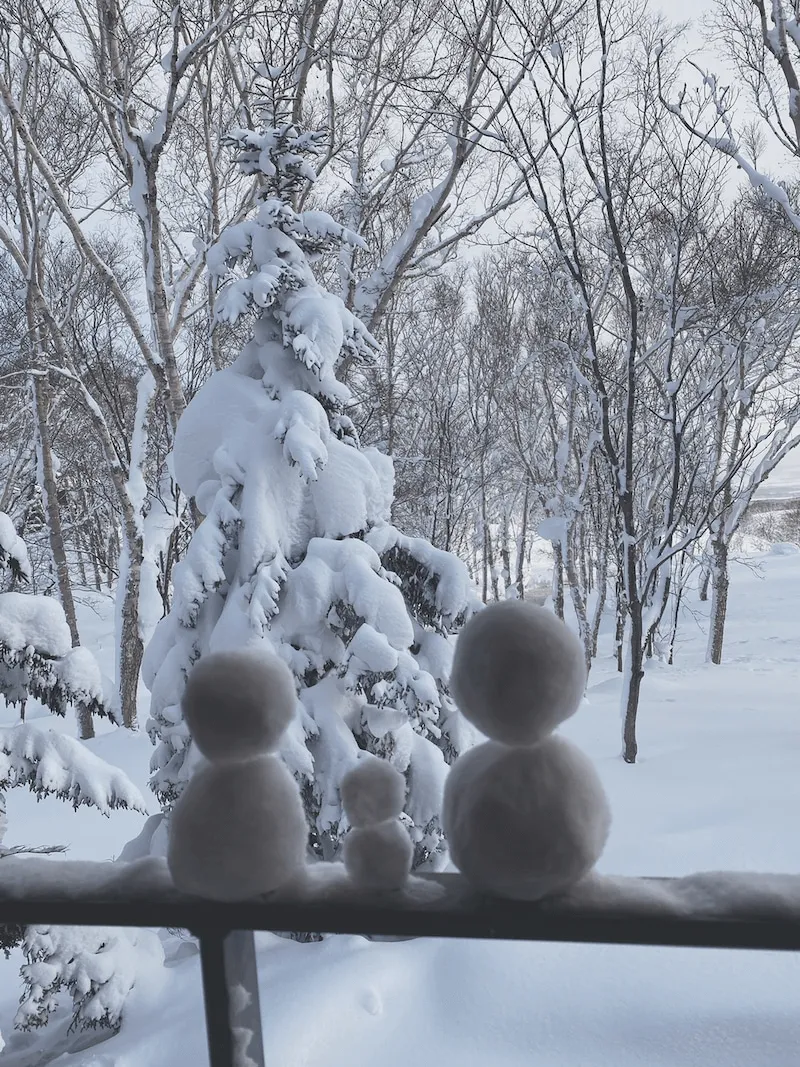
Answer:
(238, 829)
(525, 814)
(377, 851)
(226, 842)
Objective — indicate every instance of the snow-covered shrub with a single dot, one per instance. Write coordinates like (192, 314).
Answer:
(98, 966)
(296, 548)
(52, 764)
(36, 654)
(13, 553)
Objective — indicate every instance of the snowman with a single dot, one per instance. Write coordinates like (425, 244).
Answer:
(525, 814)
(238, 829)
(377, 850)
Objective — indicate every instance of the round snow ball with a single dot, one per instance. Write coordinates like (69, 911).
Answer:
(379, 857)
(525, 822)
(237, 831)
(517, 672)
(238, 704)
(372, 792)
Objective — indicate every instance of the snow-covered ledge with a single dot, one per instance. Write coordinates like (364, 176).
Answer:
(723, 909)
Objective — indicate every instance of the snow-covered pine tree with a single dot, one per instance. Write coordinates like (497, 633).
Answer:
(296, 548)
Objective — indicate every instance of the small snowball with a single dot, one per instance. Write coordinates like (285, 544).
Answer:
(379, 857)
(372, 792)
(237, 831)
(238, 704)
(525, 822)
(517, 672)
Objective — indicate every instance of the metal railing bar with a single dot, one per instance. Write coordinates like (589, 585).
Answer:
(241, 972)
(714, 910)
(493, 919)
(717, 909)
(216, 997)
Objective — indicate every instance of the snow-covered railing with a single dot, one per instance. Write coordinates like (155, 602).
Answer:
(710, 910)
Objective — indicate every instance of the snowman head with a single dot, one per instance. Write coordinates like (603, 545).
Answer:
(372, 792)
(238, 704)
(517, 673)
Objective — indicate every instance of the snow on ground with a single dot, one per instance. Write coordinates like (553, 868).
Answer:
(717, 786)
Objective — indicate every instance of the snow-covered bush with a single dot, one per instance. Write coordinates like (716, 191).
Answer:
(36, 654)
(98, 966)
(52, 764)
(13, 553)
(296, 548)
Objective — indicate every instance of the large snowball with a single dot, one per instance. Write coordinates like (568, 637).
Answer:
(525, 822)
(372, 792)
(238, 704)
(517, 672)
(237, 831)
(379, 857)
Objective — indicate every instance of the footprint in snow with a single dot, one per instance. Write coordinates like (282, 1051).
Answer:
(371, 1002)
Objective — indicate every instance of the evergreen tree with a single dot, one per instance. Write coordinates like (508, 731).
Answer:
(296, 548)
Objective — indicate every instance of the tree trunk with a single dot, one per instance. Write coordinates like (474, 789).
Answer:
(633, 681)
(523, 536)
(704, 583)
(131, 647)
(489, 572)
(599, 608)
(719, 602)
(493, 571)
(558, 580)
(660, 595)
(675, 620)
(619, 625)
(42, 401)
(505, 557)
(574, 580)
(81, 563)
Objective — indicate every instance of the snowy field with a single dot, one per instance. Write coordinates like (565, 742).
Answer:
(717, 786)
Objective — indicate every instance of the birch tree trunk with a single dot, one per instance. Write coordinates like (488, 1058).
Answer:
(558, 580)
(521, 542)
(42, 396)
(719, 600)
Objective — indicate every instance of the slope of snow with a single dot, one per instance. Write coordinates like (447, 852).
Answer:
(716, 787)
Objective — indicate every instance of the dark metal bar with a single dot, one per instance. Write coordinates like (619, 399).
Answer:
(241, 973)
(492, 919)
(215, 997)
(713, 909)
